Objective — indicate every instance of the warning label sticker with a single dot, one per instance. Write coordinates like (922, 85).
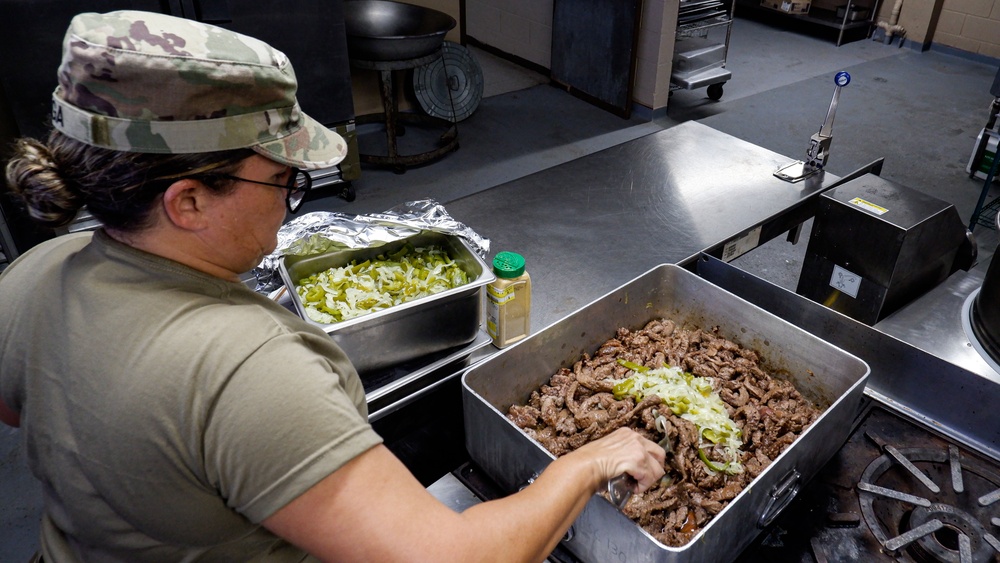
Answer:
(876, 209)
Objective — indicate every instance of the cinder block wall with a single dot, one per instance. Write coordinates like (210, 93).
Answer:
(970, 25)
(522, 28)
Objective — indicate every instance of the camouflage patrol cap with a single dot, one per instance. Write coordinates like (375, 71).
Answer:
(151, 83)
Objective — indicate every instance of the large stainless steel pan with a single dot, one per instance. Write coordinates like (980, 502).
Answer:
(410, 330)
(823, 373)
(380, 30)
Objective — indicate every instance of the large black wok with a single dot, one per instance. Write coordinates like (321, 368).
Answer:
(380, 30)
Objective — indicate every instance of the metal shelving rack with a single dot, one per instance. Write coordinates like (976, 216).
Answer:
(831, 18)
(699, 60)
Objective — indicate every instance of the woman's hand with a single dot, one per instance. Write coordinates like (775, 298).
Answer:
(624, 451)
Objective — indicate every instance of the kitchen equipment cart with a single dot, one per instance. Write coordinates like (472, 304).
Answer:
(702, 45)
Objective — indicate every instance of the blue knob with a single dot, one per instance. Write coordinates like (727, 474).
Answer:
(842, 78)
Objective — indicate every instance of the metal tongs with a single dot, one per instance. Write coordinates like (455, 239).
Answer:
(620, 489)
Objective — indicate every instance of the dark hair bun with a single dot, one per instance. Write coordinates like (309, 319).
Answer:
(33, 174)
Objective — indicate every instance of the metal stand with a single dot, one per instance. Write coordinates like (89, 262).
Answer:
(395, 121)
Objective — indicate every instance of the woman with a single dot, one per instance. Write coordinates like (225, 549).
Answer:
(170, 412)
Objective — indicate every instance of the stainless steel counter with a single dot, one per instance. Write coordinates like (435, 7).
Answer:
(590, 225)
(593, 224)
(937, 323)
(586, 227)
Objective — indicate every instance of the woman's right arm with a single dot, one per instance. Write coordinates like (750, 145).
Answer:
(373, 509)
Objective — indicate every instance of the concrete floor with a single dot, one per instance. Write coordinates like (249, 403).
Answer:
(921, 111)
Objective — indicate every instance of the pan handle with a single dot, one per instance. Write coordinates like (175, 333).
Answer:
(530, 480)
(571, 532)
(781, 495)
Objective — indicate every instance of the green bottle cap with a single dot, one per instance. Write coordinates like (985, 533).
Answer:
(508, 265)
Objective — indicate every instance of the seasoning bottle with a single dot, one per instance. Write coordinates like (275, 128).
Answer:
(508, 300)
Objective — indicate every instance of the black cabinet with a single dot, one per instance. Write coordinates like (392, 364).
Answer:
(594, 44)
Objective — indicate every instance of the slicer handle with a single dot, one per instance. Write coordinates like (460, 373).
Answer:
(841, 79)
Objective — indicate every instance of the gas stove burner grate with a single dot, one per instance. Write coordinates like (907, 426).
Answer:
(931, 504)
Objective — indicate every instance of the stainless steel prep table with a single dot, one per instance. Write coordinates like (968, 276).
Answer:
(594, 223)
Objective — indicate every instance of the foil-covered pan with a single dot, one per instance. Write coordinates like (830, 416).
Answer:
(409, 330)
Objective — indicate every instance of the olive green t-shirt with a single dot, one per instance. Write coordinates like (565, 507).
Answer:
(167, 412)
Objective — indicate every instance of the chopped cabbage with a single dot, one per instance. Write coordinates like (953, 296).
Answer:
(356, 289)
(691, 398)
(313, 244)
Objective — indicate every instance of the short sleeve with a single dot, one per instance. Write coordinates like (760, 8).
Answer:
(287, 418)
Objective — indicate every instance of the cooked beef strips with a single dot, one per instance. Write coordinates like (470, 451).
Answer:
(577, 406)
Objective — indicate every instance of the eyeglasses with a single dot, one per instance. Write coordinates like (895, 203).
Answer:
(299, 182)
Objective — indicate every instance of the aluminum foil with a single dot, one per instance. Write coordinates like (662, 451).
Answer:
(323, 231)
